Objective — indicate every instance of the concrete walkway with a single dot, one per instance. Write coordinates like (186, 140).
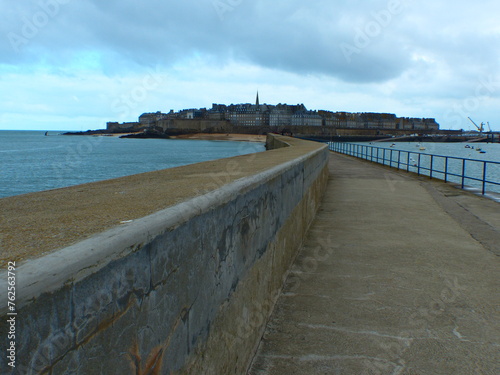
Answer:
(398, 275)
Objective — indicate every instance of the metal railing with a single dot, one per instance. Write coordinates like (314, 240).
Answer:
(464, 171)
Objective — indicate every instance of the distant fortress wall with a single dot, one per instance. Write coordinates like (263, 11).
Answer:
(183, 126)
(116, 127)
(195, 125)
(186, 290)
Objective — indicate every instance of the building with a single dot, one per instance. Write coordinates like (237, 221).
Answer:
(149, 119)
(308, 118)
(283, 116)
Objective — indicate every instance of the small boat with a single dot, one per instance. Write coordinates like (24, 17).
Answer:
(422, 148)
(479, 149)
(482, 152)
(467, 146)
(46, 133)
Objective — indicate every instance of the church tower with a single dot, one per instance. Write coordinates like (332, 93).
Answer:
(257, 100)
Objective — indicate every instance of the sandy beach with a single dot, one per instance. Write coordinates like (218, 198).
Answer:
(223, 137)
(205, 136)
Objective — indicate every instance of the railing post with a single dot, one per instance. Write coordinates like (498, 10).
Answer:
(390, 162)
(418, 167)
(484, 177)
(446, 169)
(431, 167)
(383, 157)
(399, 158)
(463, 173)
(408, 162)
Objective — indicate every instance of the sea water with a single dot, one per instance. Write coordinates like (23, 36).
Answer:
(31, 161)
(474, 153)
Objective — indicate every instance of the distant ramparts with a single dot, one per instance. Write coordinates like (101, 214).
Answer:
(184, 289)
(171, 126)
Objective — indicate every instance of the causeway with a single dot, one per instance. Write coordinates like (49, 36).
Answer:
(398, 275)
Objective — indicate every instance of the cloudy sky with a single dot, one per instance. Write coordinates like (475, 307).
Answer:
(75, 64)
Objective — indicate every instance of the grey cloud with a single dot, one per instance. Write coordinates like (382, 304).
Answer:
(296, 36)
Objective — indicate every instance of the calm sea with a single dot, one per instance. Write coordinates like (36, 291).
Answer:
(474, 164)
(31, 161)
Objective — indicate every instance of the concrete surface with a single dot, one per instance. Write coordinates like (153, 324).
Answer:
(398, 275)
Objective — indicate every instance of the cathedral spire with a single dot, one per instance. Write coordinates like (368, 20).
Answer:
(257, 100)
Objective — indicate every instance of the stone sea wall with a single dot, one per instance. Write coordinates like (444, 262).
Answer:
(186, 290)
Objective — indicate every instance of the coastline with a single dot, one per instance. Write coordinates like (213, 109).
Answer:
(223, 137)
(234, 137)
